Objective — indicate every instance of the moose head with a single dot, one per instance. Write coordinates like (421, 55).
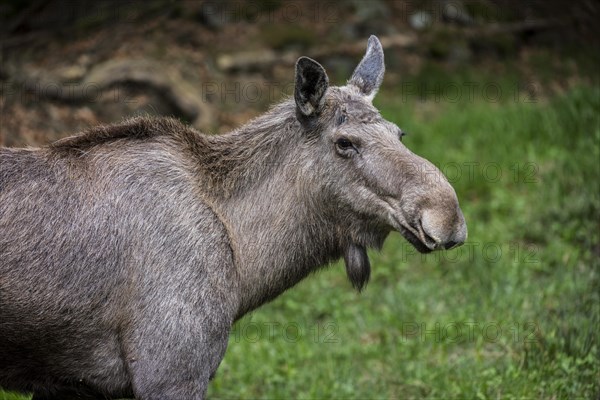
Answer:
(371, 180)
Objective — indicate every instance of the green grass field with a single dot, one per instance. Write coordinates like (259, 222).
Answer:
(513, 314)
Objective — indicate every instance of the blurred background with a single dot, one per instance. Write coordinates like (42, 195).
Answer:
(503, 96)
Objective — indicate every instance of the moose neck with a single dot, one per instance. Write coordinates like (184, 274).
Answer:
(268, 198)
(277, 239)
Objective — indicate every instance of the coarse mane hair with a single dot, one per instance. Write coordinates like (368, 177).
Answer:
(229, 161)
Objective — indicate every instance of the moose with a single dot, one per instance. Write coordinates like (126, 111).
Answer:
(129, 250)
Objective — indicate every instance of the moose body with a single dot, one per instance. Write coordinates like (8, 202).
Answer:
(127, 252)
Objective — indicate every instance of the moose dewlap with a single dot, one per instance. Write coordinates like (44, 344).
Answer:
(128, 251)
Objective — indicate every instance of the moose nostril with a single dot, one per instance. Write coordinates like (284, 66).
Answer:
(441, 233)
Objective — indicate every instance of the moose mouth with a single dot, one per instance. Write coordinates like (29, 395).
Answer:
(414, 240)
(415, 236)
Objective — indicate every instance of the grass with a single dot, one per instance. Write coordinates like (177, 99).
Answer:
(513, 314)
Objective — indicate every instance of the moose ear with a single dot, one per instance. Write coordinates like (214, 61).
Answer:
(311, 84)
(368, 75)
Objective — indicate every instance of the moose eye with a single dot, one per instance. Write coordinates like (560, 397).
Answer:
(344, 144)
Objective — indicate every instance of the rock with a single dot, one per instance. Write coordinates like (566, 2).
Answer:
(71, 73)
(420, 20)
(147, 75)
